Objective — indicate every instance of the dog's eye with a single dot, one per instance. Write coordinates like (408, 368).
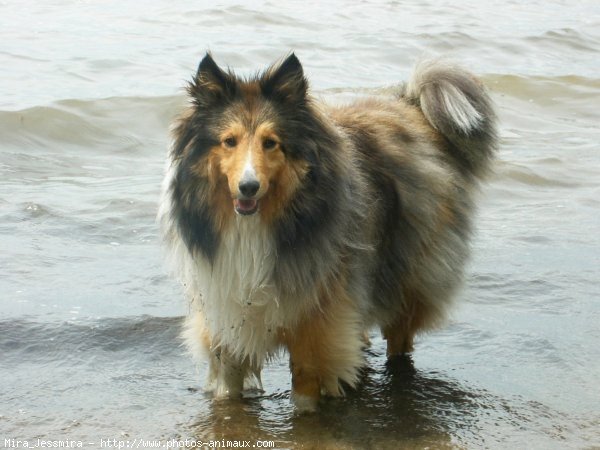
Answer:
(269, 144)
(230, 142)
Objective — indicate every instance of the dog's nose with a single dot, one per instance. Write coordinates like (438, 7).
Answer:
(249, 187)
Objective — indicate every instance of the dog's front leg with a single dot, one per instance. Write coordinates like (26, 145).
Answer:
(226, 374)
(325, 349)
(306, 376)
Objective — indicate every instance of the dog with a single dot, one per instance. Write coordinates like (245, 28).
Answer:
(300, 226)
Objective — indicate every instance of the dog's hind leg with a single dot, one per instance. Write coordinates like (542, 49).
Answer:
(399, 337)
(400, 331)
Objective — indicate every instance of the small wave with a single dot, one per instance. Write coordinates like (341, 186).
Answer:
(123, 122)
(449, 40)
(527, 176)
(567, 39)
(51, 123)
(18, 213)
(543, 89)
(22, 339)
(35, 210)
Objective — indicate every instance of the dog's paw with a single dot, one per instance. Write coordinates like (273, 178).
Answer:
(304, 404)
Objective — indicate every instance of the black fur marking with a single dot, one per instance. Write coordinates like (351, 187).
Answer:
(314, 227)
(285, 83)
(191, 211)
(382, 172)
(314, 205)
(196, 139)
(211, 85)
(208, 69)
(193, 217)
(196, 228)
(305, 137)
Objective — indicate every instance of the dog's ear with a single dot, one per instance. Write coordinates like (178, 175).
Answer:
(211, 84)
(285, 81)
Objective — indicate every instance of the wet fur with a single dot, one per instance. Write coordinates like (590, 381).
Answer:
(364, 219)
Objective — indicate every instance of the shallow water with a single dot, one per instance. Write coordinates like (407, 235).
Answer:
(89, 345)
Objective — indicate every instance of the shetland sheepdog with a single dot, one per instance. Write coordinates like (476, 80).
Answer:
(296, 225)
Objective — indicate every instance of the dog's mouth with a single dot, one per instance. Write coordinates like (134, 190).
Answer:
(245, 207)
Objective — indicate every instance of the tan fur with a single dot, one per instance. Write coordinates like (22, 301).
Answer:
(196, 332)
(326, 346)
(231, 161)
(278, 177)
(283, 184)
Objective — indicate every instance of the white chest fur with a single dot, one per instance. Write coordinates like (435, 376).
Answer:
(237, 295)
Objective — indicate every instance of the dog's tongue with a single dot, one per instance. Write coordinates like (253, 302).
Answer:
(245, 205)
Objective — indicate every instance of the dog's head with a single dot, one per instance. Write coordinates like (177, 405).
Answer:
(242, 137)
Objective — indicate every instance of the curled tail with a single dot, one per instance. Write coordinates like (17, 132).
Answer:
(457, 105)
